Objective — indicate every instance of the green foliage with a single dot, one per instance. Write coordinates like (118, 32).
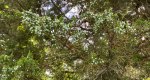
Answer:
(35, 47)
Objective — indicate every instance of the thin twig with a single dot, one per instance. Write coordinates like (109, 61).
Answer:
(59, 9)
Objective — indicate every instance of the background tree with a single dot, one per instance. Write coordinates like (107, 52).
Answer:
(102, 40)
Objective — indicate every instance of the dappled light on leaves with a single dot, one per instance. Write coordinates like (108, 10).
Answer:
(74, 40)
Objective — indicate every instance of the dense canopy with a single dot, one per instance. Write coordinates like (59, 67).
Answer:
(74, 39)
